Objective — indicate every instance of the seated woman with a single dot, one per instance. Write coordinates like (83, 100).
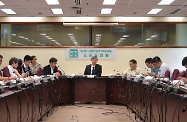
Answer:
(34, 65)
(19, 68)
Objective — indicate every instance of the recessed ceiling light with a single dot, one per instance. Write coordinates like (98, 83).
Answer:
(125, 36)
(8, 11)
(57, 11)
(106, 10)
(52, 2)
(165, 2)
(1, 3)
(109, 2)
(154, 11)
(42, 34)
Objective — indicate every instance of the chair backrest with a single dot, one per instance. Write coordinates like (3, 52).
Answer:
(6, 72)
(40, 72)
(167, 74)
(175, 74)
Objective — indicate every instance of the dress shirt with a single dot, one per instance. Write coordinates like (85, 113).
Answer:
(155, 70)
(162, 70)
(52, 70)
(92, 68)
(27, 72)
(130, 72)
(35, 68)
(11, 70)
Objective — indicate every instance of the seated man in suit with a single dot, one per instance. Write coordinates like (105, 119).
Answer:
(25, 66)
(94, 68)
(51, 69)
(5, 78)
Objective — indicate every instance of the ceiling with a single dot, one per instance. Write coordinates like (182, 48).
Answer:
(92, 8)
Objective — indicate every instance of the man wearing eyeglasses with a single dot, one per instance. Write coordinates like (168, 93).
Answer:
(51, 69)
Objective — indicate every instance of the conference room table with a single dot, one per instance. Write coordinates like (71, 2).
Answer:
(147, 102)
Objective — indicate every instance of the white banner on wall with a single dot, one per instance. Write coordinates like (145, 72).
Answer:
(87, 53)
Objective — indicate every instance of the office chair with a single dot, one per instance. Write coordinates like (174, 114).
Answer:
(167, 74)
(175, 74)
(6, 72)
(40, 72)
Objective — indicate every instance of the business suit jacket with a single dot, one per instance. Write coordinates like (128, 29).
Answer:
(98, 70)
(47, 70)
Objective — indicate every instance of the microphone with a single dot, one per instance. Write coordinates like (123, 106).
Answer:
(62, 70)
(118, 72)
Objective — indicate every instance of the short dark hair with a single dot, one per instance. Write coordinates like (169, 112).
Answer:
(133, 61)
(184, 61)
(148, 60)
(1, 56)
(32, 57)
(51, 60)
(27, 58)
(13, 60)
(156, 59)
(94, 57)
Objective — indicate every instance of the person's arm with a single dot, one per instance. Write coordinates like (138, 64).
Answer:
(8, 78)
(125, 72)
(46, 70)
(85, 71)
(99, 71)
(17, 73)
(140, 72)
(183, 79)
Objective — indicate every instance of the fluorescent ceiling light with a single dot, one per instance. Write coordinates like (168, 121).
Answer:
(1, 3)
(109, 2)
(106, 10)
(8, 11)
(165, 2)
(57, 11)
(154, 11)
(89, 24)
(52, 2)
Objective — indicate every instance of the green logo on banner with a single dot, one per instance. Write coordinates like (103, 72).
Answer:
(73, 53)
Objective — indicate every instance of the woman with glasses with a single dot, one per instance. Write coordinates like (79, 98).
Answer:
(34, 66)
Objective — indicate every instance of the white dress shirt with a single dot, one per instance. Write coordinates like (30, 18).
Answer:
(162, 70)
(11, 70)
(92, 69)
(51, 70)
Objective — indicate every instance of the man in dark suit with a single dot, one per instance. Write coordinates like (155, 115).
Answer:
(94, 68)
(25, 66)
(51, 69)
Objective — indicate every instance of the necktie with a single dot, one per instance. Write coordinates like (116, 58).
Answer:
(27, 71)
(93, 71)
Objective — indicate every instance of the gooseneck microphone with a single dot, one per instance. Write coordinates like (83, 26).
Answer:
(61, 70)
(117, 71)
